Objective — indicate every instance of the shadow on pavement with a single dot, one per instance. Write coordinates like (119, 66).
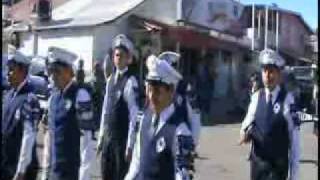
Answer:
(202, 158)
(230, 118)
(309, 161)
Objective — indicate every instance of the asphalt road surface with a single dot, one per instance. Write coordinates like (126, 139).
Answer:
(222, 159)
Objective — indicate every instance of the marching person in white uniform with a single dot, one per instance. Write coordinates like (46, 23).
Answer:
(272, 125)
(118, 117)
(20, 116)
(193, 113)
(164, 143)
(70, 118)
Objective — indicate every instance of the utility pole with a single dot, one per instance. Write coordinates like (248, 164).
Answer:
(266, 30)
(253, 27)
(277, 31)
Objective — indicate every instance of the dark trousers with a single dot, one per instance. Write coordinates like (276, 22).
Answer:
(66, 174)
(264, 170)
(113, 163)
(8, 168)
(9, 173)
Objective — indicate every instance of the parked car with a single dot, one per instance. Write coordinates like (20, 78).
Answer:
(304, 81)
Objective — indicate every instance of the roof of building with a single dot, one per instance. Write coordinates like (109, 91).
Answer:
(22, 10)
(75, 13)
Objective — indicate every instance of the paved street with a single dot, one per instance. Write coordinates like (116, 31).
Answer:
(221, 157)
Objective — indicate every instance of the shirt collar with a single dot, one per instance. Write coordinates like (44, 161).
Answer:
(122, 71)
(67, 86)
(274, 93)
(21, 85)
(165, 114)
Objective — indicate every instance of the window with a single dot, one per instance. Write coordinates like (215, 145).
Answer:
(235, 11)
(44, 9)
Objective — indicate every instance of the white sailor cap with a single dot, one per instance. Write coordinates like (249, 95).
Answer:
(62, 56)
(270, 57)
(121, 40)
(169, 56)
(38, 65)
(161, 71)
(19, 57)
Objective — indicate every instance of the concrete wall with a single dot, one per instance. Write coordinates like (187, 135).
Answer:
(78, 40)
(104, 34)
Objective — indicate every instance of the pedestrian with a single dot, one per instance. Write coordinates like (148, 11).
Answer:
(164, 142)
(182, 100)
(255, 83)
(20, 116)
(87, 139)
(47, 137)
(271, 125)
(107, 67)
(70, 115)
(118, 113)
(98, 84)
(315, 97)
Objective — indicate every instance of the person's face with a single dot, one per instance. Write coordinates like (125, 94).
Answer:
(120, 58)
(61, 75)
(159, 97)
(16, 74)
(271, 77)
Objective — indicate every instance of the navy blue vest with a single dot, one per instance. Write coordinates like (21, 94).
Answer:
(66, 132)
(274, 144)
(12, 130)
(117, 112)
(155, 164)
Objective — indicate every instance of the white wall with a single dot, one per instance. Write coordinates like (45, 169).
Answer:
(79, 41)
(104, 34)
(27, 43)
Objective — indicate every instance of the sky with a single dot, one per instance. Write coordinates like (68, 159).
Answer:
(307, 8)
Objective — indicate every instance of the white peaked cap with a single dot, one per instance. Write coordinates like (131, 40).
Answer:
(122, 40)
(170, 57)
(19, 57)
(270, 57)
(63, 56)
(161, 71)
(38, 64)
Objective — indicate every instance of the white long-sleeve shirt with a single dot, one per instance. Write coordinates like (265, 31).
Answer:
(129, 95)
(294, 133)
(182, 129)
(30, 112)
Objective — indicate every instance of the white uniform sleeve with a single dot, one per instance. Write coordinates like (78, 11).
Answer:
(294, 135)
(103, 111)
(83, 96)
(28, 141)
(135, 161)
(182, 130)
(130, 96)
(250, 113)
(86, 154)
(86, 142)
(30, 112)
(194, 119)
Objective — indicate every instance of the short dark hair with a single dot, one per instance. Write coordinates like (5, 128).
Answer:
(122, 47)
(22, 66)
(270, 66)
(159, 83)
